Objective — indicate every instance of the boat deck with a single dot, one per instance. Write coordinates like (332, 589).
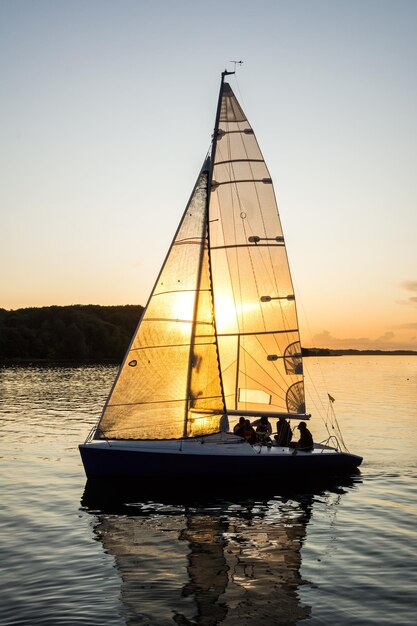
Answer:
(208, 446)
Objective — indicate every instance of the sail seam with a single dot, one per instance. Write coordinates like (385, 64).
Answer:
(173, 319)
(163, 293)
(261, 332)
(160, 401)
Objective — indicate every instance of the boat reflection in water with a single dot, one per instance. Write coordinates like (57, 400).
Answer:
(224, 560)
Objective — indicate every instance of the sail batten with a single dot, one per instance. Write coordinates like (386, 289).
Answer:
(240, 161)
(249, 245)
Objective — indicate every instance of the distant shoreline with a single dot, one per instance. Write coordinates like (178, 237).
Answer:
(307, 353)
(94, 334)
(353, 352)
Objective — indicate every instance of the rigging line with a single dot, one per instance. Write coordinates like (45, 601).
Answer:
(285, 323)
(174, 320)
(338, 427)
(283, 389)
(236, 186)
(331, 417)
(154, 402)
(307, 323)
(255, 187)
(164, 293)
(235, 183)
(312, 401)
(172, 345)
(262, 310)
(232, 173)
(257, 382)
(274, 277)
(229, 162)
(294, 378)
(180, 242)
(268, 374)
(177, 291)
(238, 286)
(320, 409)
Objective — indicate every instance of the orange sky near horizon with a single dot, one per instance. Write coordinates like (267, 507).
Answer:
(106, 113)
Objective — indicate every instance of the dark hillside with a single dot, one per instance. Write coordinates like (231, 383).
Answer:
(78, 332)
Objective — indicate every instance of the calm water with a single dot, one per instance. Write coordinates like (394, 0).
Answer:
(324, 554)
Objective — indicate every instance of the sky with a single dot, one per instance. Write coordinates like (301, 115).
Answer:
(106, 113)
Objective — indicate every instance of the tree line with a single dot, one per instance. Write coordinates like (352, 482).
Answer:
(78, 332)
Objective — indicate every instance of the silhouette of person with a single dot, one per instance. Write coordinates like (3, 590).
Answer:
(239, 427)
(305, 443)
(284, 433)
(263, 429)
(249, 432)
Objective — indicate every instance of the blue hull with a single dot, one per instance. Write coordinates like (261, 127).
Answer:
(107, 462)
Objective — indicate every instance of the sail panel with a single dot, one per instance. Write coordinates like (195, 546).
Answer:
(256, 313)
(256, 362)
(205, 392)
(257, 300)
(140, 422)
(230, 107)
(171, 369)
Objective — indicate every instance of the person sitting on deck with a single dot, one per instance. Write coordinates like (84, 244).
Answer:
(249, 432)
(284, 433)
(305, 443)
(239, 427)
(263, 429)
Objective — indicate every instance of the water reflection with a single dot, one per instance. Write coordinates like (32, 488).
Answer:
(219, 561)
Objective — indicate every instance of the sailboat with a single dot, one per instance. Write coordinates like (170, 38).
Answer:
(218, 339)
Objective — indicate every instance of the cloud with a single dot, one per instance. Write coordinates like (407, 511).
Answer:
(405, 326)
(409, 302)
(409, 285)
(387, 341)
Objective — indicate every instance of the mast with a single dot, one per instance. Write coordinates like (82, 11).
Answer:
(210, 179)
(216, 128)
(209, 166)
(205, 168)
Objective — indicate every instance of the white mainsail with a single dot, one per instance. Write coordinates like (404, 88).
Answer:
(257, 327)
(220, 330)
